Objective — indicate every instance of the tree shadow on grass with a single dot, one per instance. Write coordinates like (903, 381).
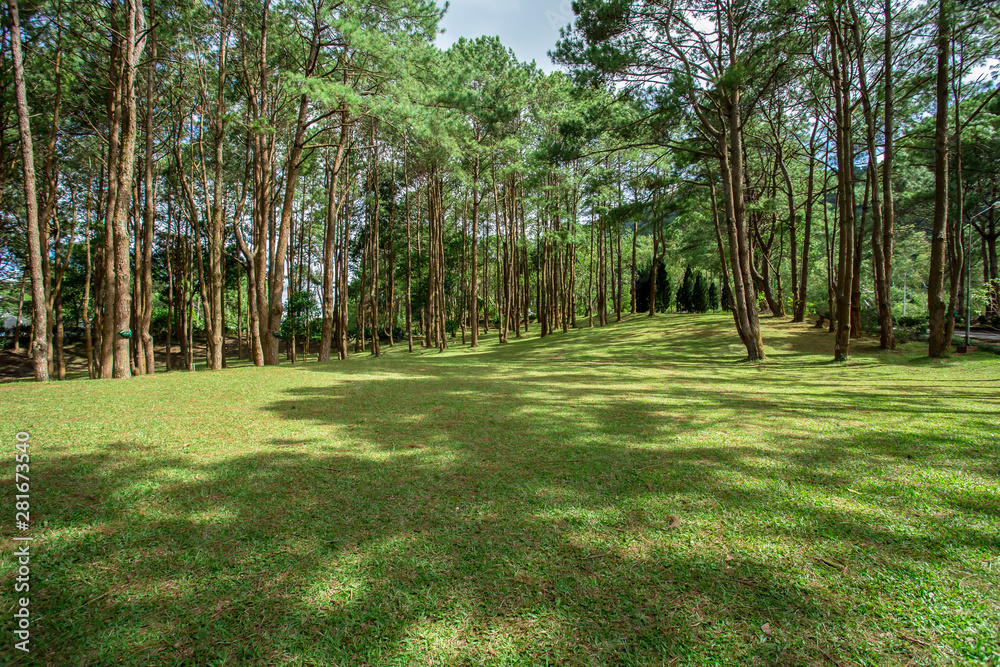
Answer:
(596, 555)
(288, 557)
(492, 541)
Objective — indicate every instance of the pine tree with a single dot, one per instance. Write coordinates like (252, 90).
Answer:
(713, 297)
(699, 295)
(665, 287)
(685, 292)
(727, 299)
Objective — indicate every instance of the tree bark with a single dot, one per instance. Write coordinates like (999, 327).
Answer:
(881, 279)
(474, 286)
(956, 223)
(330, 239)
(845, 193)
(20, 304)
(113, 106)
(938, 344)
(799, 314)
(888, 152)
(132, 47)
(146, 274)
(409, 262)
(39, 345)
(85, 308)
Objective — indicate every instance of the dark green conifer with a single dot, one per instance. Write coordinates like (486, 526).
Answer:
(699, 294)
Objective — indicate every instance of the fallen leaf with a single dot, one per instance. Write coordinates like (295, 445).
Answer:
(766, 629)
(674, 521)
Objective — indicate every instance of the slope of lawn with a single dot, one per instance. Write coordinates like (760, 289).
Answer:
(632, 495)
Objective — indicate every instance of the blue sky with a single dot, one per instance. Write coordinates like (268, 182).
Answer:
(529, 27)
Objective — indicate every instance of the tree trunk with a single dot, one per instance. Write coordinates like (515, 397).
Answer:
(146, 275)
(109, 286)
(330, 239)
(881, 280)
(340, 306)
(85, 308)
(590, 274)
(956, 223)
(799, 314)
(169, 251)
(215, 336)
(58, 339)
(409, 263)
(939, 344)
(374, 254)
(20, 303)
(845, 194)
(132, 46)
(888, 337)
(463, 292)
(723, 266)
(731, 166)
(792, 227)
(635, 240)
(39, 345)
(654, 269)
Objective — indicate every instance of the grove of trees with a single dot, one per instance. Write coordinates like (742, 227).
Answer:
(318, 173)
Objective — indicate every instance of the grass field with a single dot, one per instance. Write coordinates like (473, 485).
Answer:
(633, 495)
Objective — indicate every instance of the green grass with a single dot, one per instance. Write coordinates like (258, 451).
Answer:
(632, 495)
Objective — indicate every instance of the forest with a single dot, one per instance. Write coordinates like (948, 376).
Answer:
(184, 182)
(678, 348)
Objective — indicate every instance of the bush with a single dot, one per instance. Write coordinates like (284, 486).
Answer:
(869, 321)
(158, 322)
(912, 321)
(911, 328)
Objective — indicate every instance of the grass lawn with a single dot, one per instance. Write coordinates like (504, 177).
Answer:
(632, 495)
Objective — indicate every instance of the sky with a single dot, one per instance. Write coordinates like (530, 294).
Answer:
(529, 27)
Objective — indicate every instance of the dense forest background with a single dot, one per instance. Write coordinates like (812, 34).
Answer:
(317, 177)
